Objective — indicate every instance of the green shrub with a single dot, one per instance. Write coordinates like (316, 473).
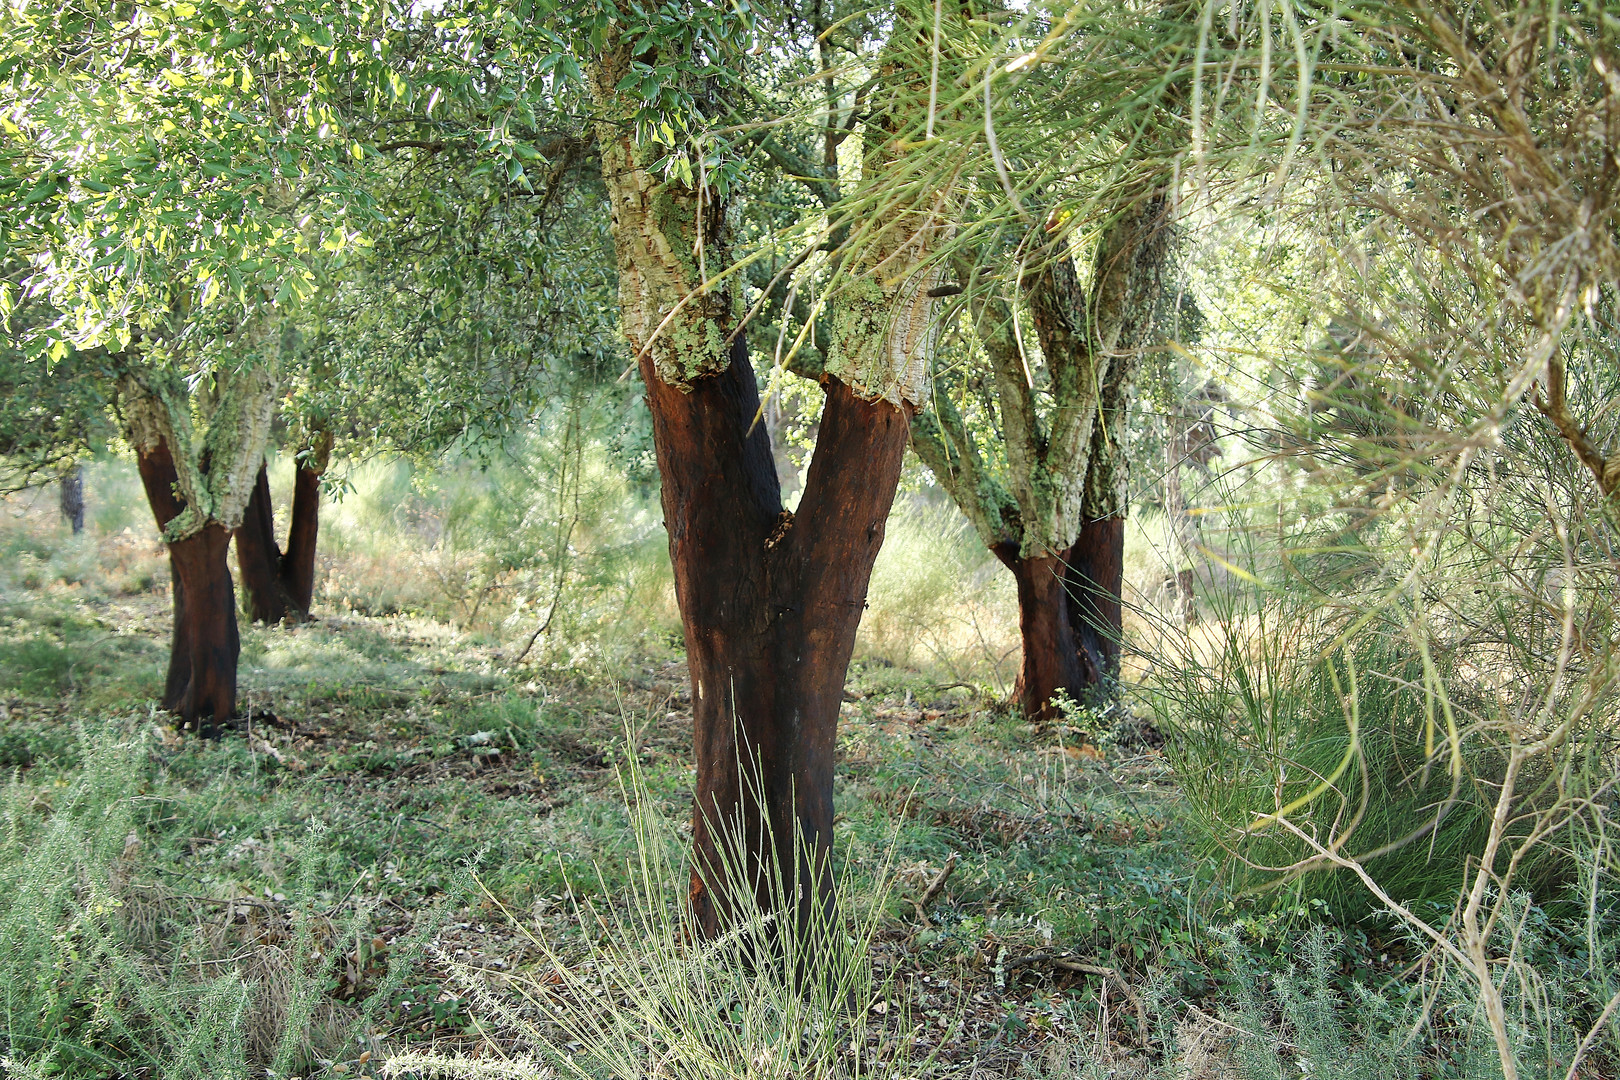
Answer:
(109, 972)
(37, 666)
(1266, 722)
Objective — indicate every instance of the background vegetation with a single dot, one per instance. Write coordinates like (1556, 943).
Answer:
(1346, 809)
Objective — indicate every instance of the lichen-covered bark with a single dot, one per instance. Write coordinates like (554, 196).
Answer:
(884, 323)
(670, 241)
(215, 475)
(941, 439)
(198, 490)
(1084, 340)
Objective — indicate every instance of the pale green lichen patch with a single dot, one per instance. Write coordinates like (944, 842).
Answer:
(883, 338)
(233, 445)
(670, 244)
(214, 475)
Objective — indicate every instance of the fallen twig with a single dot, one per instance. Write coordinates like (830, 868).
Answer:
(1067, 963)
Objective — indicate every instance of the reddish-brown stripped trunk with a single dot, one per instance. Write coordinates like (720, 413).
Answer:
(280, 585)
(200, 688)
(303, 531)
(1051, 658)
(259, 558)
(1070, 618)
(1095, 582)
(770, 603)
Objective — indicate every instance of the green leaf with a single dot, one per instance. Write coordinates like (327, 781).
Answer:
(41, 191)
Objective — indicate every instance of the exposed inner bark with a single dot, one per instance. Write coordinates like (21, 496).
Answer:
(259, 558)
(1095, 581)
(298, 561)
(280, 585)
(1052, 661)
(770, 603)
(200, 688)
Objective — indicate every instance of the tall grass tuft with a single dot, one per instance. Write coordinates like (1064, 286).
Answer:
(640, 996)
(1277, 714)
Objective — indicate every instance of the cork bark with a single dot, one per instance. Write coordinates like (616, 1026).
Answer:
(1058, 520)
(770, 600)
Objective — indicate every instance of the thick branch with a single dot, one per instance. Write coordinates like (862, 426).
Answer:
(1023, 435)
(1555, 407)
(942, 441)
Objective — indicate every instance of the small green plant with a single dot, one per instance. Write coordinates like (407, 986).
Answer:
(109, 972)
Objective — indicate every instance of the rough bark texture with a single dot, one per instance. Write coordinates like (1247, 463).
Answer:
(200, 688)
(770, 603)
(72, 498)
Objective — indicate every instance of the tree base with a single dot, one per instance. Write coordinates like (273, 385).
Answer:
(201, 685)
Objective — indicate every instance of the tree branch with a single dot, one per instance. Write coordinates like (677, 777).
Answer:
(1555, 407)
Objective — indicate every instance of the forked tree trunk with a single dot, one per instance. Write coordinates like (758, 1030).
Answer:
(200, 688)
(1069, 619)
(770, 603)
(280, 585)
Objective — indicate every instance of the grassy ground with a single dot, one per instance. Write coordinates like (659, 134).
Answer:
(383, 761)
(387, 852)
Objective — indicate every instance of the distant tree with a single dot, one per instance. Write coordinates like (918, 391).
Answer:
(191, 177)
(449, 329)
(51, 415)
(1053, 507)
(71, 497)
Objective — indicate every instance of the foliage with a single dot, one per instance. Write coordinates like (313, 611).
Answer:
(110, 971)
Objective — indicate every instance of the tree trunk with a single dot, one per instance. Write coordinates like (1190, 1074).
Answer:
(259, 559)
(770, 603)
(1052, 662)
(200, 688)
(280, 585)
(298, 562)
(1094, 579)
(208, 700)
(72, 498)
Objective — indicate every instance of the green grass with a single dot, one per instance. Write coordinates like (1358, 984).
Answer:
(406, 810)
